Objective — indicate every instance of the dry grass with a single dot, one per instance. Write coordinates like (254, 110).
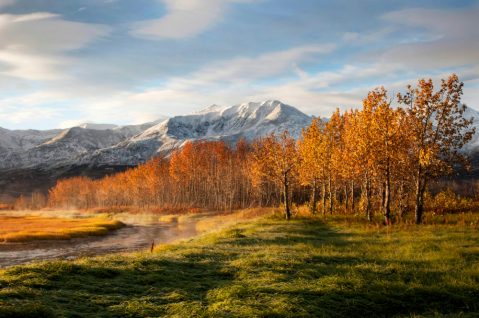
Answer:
(30, 228)
(227, 219)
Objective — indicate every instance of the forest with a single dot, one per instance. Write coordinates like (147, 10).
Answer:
(378, 159)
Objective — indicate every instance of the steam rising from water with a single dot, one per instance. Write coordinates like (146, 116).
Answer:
(142, 230)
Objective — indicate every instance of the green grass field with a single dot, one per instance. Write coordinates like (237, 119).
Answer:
(266, 268)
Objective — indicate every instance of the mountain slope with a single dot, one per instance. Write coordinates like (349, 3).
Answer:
(17, 140)
(53, 148)
(248, 120)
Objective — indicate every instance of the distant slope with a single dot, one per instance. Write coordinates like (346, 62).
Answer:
(52, 148)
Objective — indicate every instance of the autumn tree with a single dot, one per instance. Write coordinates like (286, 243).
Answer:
(438, 129)
(313, 164)
(386, 134)
(334, 144)
(359, 144)
(275, 159)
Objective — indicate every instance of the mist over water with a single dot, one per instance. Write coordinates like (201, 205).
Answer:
(141, 231)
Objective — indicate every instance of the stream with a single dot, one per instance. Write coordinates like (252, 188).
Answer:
(140, 232)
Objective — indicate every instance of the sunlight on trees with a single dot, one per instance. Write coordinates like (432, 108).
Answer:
(376, 159)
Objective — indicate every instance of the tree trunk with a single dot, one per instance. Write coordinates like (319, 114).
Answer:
(323, 199)
(346, 198)
(352, 196)
(387, 199)
(330, 196)
(314, 198)
(420, 189)
(286, 197)
(401, 206)
(368, 199)
(383, 194)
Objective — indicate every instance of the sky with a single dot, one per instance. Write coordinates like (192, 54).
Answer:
(65, 62)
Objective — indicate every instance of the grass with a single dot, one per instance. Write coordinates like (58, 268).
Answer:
(32, 228)
(265, 268)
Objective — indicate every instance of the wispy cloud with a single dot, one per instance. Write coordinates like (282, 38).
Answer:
(184, 18)
(34, 45)
(6, 3)
(453, 38)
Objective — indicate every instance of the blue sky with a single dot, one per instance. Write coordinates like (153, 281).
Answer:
(132, 61)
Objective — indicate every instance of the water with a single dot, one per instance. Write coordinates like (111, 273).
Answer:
(140, 232)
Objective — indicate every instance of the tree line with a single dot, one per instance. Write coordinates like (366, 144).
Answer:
(379, 158)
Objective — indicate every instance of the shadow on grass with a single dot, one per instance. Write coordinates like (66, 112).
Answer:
(301, 268)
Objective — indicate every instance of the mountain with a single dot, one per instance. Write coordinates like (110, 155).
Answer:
(110, 145)
(53, 148)
(248, 121)
(32, 159)
(18, 140)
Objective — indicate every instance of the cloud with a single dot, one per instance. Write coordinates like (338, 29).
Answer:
(252, 68)
(6, 3)
(451, 38)
(224, 82)
(23, 114)
(47, 32)
(367, 38)
(451, 22)
(184, 18)
(46, 62)
(34, 45)
(31, 67)
(234, 81)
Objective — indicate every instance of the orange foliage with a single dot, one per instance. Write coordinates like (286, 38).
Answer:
(203, 174)
(382, 155)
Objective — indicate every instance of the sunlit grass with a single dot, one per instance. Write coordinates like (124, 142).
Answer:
(339, 267)
(31, 228)
(219, 221)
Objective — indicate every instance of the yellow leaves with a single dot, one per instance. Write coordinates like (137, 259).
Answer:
(274, 157)
(425, 157)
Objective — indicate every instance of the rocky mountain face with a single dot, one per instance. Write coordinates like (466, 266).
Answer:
(32, 157)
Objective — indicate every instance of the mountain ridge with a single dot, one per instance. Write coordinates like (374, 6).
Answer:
(92, 144)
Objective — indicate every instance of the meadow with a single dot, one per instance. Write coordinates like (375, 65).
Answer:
(32, 228)
(337, 266)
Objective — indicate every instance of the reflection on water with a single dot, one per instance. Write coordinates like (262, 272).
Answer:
(141, 231)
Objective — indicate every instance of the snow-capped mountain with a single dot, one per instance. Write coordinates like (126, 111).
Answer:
(18, 140)
(109, 145)
(52, 148)
(248, 120)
